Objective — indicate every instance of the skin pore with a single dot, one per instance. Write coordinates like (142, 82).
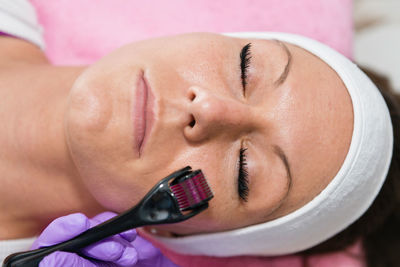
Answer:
(80, 141)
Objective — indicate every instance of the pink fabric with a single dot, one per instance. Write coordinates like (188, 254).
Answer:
(342, 259)
(351, 257)
(82, 31)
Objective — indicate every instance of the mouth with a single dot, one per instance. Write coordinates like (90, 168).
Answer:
(143, 114)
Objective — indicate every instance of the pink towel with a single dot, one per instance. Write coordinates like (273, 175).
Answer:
(349, 258)
(82, 31)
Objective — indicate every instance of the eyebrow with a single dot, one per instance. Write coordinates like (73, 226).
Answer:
(281, 154)
(286, 70)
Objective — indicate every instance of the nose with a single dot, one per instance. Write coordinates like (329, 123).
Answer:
(212, 113)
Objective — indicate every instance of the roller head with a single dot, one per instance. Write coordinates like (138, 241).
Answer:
(191, 190)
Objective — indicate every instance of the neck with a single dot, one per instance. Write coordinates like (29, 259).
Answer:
(40, 178)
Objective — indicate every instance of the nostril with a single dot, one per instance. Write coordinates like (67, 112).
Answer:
(192, 122)
(192, 96)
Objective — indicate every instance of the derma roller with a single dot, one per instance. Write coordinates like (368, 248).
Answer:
(176, 198)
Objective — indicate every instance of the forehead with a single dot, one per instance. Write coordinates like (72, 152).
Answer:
(315, 125)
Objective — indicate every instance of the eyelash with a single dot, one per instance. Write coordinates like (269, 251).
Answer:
(243, 175)
(245, 57)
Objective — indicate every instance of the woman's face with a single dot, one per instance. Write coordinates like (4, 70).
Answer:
(155, 106)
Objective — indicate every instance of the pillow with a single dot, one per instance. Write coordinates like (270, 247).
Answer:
(80, 32)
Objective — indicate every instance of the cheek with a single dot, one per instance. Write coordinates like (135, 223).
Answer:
(98, 132)
(223, 212)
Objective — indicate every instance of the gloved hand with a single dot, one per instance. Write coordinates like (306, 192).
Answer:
(150, 256)
(118, 250)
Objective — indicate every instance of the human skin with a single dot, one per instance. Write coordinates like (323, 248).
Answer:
(192, 77)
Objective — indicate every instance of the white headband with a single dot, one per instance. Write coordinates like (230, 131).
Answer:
(346, 197)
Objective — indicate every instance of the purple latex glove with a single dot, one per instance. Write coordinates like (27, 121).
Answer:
(118, 250)
(115, 251)
(148, 255)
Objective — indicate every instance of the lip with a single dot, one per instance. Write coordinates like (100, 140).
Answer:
(143, 114)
